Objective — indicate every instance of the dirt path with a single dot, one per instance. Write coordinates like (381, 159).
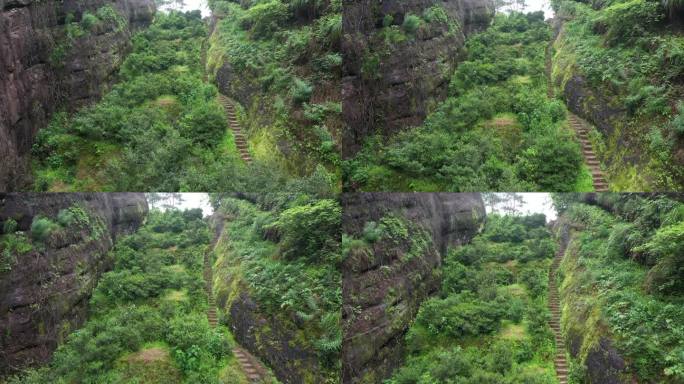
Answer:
(254, 371)
(581, 129)
(240, 141)
(560, 363)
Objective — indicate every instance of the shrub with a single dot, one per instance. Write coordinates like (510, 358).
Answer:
(204, 124)
(10, 226)
(629, 20)
(89, 21)
(265, 18)
(310, 231)
(411, 23)
(301, 91)
(42, 227)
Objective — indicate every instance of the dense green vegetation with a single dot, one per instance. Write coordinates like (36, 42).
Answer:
(631, 55)
(497, 130)
(489, 322)
(14, 244)
(285, 250)
(622, 278)
(281, 59)
(159, 128)
(147, 320)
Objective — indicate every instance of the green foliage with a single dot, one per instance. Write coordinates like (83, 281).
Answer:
(9, 226)
(89, 21)
(436, 14)
(490, 323)
(264, 18)
(411, 23)
(302, 290)
(301, 91)
(42, 227)
(12, 246)
(626, 21)
(131, 306)
(309, 231)
(497, 130)
(204, 124)
(666, 248)
(613, 258)
(158, 129)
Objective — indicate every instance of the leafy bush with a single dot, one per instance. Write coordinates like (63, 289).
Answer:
(628, 20)
(89, 21)
(42, 227)
(204, 124)
(10, 226)
(310, 231)
(411, 23)
(301, 91)
(265, 18)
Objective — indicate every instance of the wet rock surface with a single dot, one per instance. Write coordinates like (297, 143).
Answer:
(382, 292)
(45, 295)
(42, 69)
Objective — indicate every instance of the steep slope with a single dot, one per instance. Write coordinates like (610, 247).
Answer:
(497, 130)
(393, 244)
(620, 287)
(277, 283)
(49, 58)
(279, 62)
(394, 72)
(488, 322)
(618, 65)
(45, 283)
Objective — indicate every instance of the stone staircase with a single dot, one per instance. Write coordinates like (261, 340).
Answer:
(240, 140)
(560, 363)
(580, 128)
(208, 279)
(254, 371)
(252, 368)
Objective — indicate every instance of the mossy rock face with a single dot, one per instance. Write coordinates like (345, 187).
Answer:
(585, 330)
(76, 255)
(385, 280)
(396, 70)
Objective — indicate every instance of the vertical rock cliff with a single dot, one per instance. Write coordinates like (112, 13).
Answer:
(44, 291)
(392, 74)
(384, 282)
(48, 60)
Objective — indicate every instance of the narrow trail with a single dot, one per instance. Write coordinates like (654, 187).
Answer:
(559, 362)
(581, 129)
(249, 364)
(240, 140)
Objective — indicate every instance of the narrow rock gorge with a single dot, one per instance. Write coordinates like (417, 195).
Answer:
(45, 286)
(47, 63)
(386, 278)
(389, 80)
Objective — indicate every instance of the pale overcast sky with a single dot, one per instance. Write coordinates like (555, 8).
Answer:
(536, 203)
(189, 5)
(537, 5)
(193, 200)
